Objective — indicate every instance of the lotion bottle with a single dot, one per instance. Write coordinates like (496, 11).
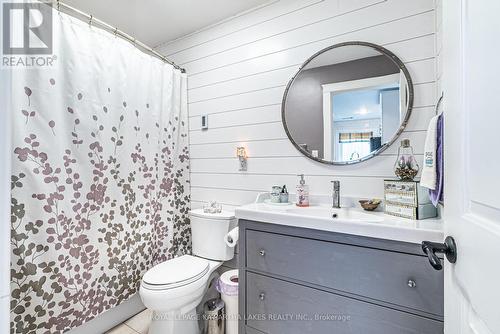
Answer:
(302, 192)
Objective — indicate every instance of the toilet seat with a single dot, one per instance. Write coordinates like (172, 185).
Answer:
(175, 273)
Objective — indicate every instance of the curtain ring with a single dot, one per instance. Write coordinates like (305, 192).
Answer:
(58, 6)
(90, 21)
(115, 32)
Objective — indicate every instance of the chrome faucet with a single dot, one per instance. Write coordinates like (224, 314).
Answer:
(336, 194)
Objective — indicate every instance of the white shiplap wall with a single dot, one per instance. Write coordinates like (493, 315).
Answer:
(238, 70)
(5, 177)
(439, 46)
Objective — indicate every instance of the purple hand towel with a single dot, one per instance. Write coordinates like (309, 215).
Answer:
(436, 195)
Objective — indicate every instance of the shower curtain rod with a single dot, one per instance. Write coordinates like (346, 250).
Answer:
(93, 21)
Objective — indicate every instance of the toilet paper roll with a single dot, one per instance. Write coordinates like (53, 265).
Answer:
(231, 238)
(228, 283)
(228, 288)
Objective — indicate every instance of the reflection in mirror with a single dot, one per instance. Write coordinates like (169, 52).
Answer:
(347, 103)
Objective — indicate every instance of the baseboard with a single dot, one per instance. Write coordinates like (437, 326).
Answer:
(112, 317)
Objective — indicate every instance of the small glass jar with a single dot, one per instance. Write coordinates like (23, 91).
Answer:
(406, 166)
(275, 194)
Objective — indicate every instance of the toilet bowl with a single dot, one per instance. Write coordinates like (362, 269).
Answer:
(173, 289)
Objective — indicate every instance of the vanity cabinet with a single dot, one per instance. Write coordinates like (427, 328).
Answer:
(296, 280)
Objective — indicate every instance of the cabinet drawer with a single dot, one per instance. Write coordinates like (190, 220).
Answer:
(277, 307)
(250, 330)
(402, 279)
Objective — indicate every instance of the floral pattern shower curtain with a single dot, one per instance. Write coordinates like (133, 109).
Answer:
(100, 184)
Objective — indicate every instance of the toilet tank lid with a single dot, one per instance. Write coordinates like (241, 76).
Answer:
(225, 215)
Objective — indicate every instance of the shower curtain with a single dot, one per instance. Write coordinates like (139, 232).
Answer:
(100, 184)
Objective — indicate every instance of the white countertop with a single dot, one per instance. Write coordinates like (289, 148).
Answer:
(386, 227)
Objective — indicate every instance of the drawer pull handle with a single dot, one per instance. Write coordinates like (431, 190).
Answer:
(262, 252)
(262, 296)
(412, 284)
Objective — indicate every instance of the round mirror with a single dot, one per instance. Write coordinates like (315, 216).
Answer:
(347, 103)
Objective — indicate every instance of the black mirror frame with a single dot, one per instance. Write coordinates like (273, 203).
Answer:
(403, 125)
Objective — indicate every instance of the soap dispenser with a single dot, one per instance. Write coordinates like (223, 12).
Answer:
(302, 192)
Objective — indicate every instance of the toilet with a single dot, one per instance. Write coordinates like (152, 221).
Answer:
(173, 289)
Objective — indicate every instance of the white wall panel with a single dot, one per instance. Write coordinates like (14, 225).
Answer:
(245, 20)
(260, 149)
(439, 45)
(238, 70)
(265, 114)
(5, 179)
(380, 166)
(281, 76)
(283, 25)
(386, 34)
(261, 182)
(272, 113)
(303, 30)
(5, 312)
(424, 82)
(274, 131)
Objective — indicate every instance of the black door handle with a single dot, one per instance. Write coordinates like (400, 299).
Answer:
(448, 248)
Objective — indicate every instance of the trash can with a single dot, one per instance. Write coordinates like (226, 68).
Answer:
(228, 288)
(213, 317)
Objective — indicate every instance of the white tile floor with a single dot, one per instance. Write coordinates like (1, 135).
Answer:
(138, 324)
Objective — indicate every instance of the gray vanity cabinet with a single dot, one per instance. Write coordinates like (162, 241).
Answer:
(295, 280)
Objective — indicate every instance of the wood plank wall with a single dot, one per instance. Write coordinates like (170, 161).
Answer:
(238, 70)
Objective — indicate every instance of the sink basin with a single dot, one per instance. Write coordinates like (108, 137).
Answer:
(341, 215)
(349, 220)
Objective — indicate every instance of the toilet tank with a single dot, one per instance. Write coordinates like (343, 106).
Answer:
(208, 231)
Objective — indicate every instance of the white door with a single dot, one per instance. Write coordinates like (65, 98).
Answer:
(471, 81)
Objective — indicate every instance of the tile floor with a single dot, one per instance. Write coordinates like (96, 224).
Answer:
(138, 324)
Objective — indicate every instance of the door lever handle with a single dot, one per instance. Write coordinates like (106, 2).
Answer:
(448, 248)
